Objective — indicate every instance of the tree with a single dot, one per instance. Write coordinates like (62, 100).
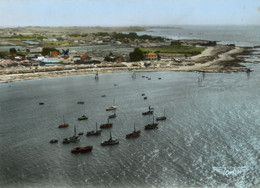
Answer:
(12, 50)
(46, 51)
(136, 55)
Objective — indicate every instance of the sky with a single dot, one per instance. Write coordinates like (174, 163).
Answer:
(14, 13)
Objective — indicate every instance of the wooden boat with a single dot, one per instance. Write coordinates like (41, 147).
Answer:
(53, 141)
(96, 76)
(94, 133)
(82, 149)
(74, 138)
(112, 116)
(151, 126)
(83, 117)
(134, 134)
(149, 112)
(111, 141)
(109, 108)
(162, 118)
(64, 124)
(107, 125)
(113, 107)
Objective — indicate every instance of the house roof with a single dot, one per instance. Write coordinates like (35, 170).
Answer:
(151, 54)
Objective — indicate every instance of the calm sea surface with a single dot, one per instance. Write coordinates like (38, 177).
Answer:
(239, 35)
(211, 137)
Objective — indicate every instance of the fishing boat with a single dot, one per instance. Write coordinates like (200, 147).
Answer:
(94, 133)
(112, 116)
(107, 125)
(74, 138)
(113, 107)
(143, 94)
(64, 124)
(151, 126)
(96, 76)
(162, 117)
(41, 103)
(134, 75)
(83, 117)
(145, 98)
(53, 141)
(149, 112)
(81, 102)
(82, 149)
(133, 134)
(111, 141)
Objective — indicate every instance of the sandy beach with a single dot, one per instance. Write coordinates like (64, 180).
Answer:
(212, 59)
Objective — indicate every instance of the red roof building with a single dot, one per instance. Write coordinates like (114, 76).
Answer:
(151, 56)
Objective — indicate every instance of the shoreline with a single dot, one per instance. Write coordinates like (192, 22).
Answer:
(215, 57)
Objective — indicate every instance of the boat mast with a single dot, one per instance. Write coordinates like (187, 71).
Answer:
(63, 120)
(96, 126)
(110, 136)
(74, 130)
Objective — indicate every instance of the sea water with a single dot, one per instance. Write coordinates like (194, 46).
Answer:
(210, 138)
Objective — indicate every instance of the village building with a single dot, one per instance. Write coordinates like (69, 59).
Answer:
(151, 56)
(54, 53)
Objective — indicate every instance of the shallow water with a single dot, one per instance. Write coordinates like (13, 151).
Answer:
(210, 138)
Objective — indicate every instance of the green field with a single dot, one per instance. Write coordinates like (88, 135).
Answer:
(59, 43)
(175, 48)
(25, 37)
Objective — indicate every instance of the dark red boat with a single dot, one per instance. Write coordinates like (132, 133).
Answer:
(82, 149)
(107, 125)
(133, 134)
(64, 124)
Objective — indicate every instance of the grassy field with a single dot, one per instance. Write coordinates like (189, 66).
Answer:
(59, 43)
(175, 48)
(25, 37)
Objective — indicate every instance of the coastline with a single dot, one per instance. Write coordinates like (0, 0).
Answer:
(212, 59)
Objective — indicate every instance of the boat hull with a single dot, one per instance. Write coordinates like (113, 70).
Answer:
(82, 149)
(109, 143)
(108, 125)
(161, 118)
(63, 125)
(134, 134)
(151, 126)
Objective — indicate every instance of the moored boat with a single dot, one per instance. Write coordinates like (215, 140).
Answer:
(107, 125)
(149, 112)
(83, 117)
(161, 118)
(94, 133)
(74, 138)
(112, 116)
(151, 126)
(109, 108)
(133, 134)
(82, 149)
(64, 124)
(53, 141)
(113, 107)
(111, 141)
